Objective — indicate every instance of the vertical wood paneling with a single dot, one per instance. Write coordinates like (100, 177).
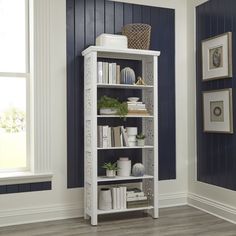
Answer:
(109, 17)
(215, 152)
(91, 18)
(100, 17)
(128, 14)
(119, 17)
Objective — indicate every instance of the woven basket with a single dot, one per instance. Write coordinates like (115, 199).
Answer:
(138, 35)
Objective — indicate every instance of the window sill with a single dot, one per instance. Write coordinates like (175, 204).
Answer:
(24, 177)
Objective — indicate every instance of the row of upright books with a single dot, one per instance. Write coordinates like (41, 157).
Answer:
(108, 73)
(119, 197)
(112, 136)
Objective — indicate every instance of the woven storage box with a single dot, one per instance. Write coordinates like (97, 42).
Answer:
(138, 35)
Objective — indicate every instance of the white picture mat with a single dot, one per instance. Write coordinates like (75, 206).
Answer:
(206, 47)
(225, 96)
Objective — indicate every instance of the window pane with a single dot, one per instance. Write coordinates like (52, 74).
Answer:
(12, 123)
(12, 36)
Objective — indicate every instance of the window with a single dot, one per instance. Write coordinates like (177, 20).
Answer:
(14, 85)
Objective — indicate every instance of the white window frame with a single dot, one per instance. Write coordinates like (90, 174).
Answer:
(38, 98)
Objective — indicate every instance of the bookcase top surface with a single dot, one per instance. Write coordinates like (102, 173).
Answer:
(129, 51)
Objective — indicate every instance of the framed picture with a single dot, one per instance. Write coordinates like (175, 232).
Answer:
(217, 111)
(217, 57)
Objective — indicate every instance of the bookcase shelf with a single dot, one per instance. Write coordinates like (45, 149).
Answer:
(101, 212)
(117, 148)
(145, 64)
(128, 116)
(125, 86)
(118, 178)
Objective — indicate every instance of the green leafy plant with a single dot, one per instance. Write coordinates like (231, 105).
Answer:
(108, 102)
(140, 136)
(13, 120)
(110, 166)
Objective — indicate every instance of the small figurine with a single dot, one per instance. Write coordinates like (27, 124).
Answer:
(140, 81)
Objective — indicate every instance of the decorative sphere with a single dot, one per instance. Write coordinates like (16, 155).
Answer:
(138, 170)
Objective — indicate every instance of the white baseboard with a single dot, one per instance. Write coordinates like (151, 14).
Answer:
(173, 199)
(39, 214)
(212, 207)
(58, 212)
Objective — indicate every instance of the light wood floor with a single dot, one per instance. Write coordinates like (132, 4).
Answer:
(177, 221)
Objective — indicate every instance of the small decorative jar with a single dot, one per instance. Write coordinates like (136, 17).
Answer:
(138, 170)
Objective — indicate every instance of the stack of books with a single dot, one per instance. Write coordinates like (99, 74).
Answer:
(119, 198)
(137, 108)
(136, 198)
(112, 136)
(108, 73)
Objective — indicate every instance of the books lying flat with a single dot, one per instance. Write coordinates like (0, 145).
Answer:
(137, 204)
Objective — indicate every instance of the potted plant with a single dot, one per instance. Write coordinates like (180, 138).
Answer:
(112, 106)
(140, 139)
(111, 169)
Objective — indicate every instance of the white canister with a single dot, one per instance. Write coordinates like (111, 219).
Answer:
(124, 167)
(132, 131)
(105, 200)
(132, 138)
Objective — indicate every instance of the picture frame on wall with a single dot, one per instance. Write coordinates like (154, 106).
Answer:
(218, 111)
(217, 57)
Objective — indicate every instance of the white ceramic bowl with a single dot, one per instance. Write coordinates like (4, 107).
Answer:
(133, 99)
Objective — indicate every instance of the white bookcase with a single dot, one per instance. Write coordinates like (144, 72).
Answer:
(149, 182)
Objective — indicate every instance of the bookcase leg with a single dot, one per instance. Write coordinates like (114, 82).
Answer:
(94, 220)
(155, 213)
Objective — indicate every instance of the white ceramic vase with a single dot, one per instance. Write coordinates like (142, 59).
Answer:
(105, 200)
(124, 167)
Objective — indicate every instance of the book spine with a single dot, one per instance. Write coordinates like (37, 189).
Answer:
(100, 72)
(113, 73)
(118, 74)
(110, 73)
(124, 197)
(105, 136)
(106, 72)
(125, 136)
(114, 200)
(118, 197)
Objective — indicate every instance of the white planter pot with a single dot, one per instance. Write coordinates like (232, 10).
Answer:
(110, 173)
(108, 111)
(105, 200)
(141, 142)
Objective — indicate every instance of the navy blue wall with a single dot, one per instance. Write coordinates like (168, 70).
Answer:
(85, 21)
(29, 187)
(215, 152)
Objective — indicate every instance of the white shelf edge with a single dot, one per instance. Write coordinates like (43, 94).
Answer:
(125, 86)
(118, 178)
(128, 116)
(103, 212)
(117, 148)
(136, 52)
